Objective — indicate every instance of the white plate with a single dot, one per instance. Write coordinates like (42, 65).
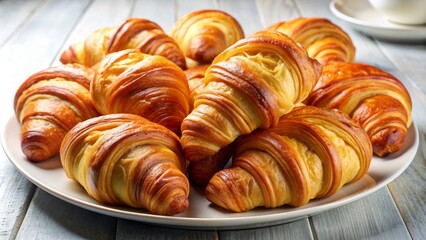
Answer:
(202, 215)
(360, 15)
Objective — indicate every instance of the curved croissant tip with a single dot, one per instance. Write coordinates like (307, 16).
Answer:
(67, 56)
(38, 147)
(387, 141)
(178, 205)
(36, 153)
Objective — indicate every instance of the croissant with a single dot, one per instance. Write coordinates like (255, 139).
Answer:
(378, 101)
(48, 104)
(311, 153)
(324, 41)
(195, 77)
(150, 86)
(134, 33)
(124, 159)
(249, 85)
(200, 172)
(203, 34)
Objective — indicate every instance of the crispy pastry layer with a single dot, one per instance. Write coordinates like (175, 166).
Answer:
(249, 85)
(134, 33)
(375, 99)
(203, 34)
(124, 159)
(48, 104)
(311, 153)
(150, 86)
(324, 41)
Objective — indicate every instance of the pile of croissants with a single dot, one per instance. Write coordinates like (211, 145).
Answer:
(137, 115)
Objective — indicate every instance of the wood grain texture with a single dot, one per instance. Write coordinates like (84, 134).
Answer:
(36, 44)
(186, 6)
(273, 11)
(16, 193)
(245, 12)
(98, 14)
(160, 12)
(49, 217)
(136, 230)
(282, 231)
(380, 220)
(29, 49)
(13, 14)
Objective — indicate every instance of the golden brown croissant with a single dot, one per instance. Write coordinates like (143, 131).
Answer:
(195, 77)
(324, 41)
(203, 34)
(200, 172)
(150, 86)
(48, 104)
(373, 98)
(134, 33)
(249, 85)
(311, 153)
(124, 159)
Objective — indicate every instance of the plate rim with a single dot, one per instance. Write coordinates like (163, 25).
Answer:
(418, 32)
(224, 223)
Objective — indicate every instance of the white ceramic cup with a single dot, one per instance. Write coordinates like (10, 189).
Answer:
(402, 11)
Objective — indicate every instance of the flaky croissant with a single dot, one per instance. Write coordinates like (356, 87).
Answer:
(48, 104)
(203, 34)
(195, 77)
(311, 153)
(124, 159)
(324, 41)
(200, 172)
(134, 33)
(249, 85)
(378, 101)
(150, 86)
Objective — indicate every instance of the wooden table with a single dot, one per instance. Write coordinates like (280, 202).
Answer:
(34, 32)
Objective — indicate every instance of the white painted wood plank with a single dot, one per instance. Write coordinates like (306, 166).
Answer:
(364, 219)
(294, 230)
(15, 195)
(100, 14)
(30, 49)
(273, 11)
(160, 11)
(33, 47)
(49, 217)
(14, 13)
(245, 11)
(184, 6)
(137, 230)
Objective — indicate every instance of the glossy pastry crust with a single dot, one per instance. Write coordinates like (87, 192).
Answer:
(150, 86)
(48, 104)
(375, 99)
(249, 85)
(311, 153)
(203, 34)
(195, 77)
(124, 159)
(324, 41)
(134, 33)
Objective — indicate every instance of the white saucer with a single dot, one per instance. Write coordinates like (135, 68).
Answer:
(362, 17)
